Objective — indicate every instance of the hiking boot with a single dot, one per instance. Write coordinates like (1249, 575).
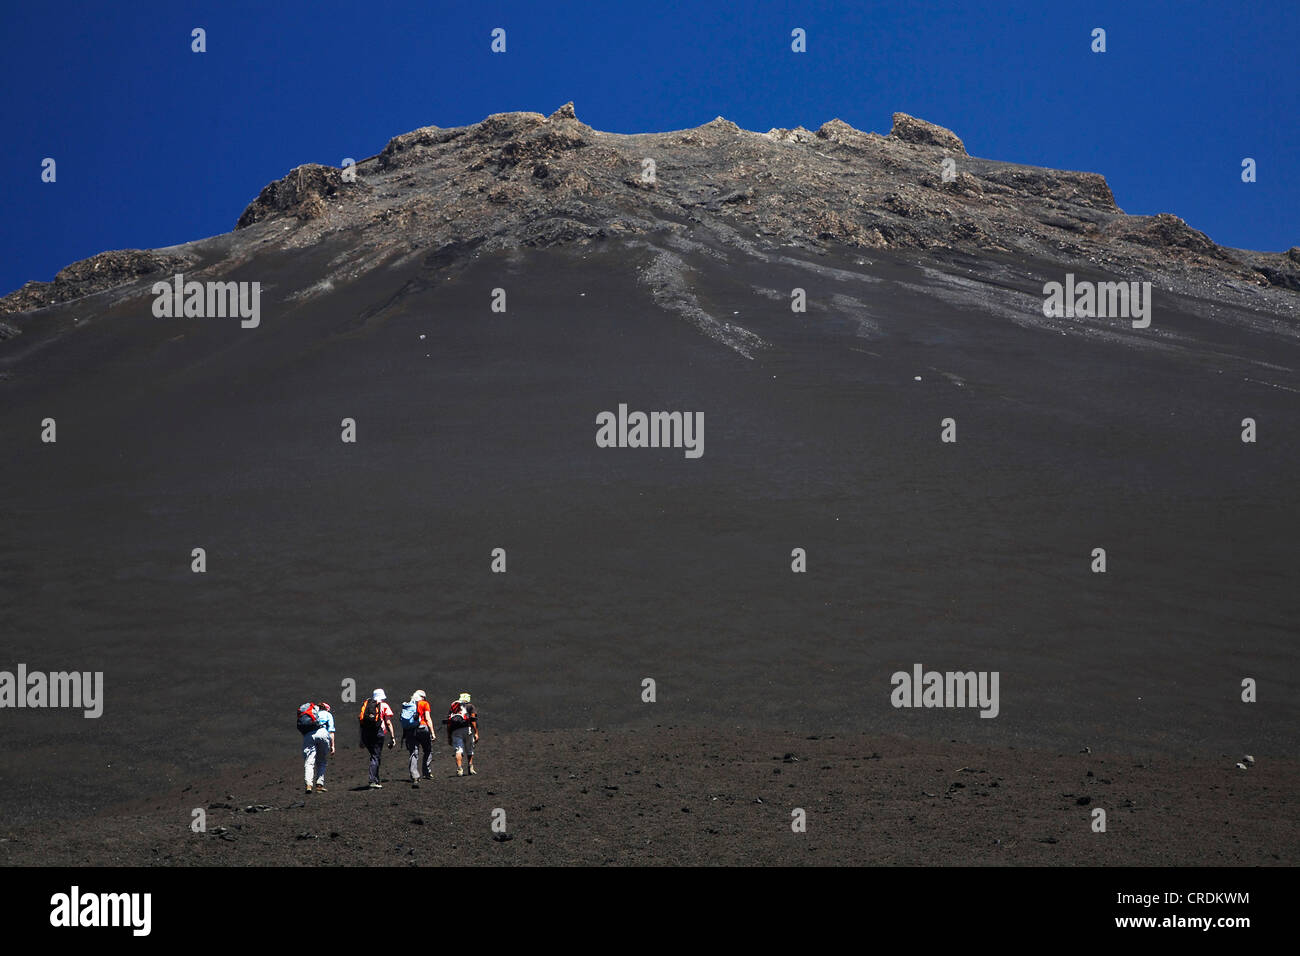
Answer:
(415, 785)
(320, 788)
(376, 786)
(460, 772)
(309, 788)
(473, 771)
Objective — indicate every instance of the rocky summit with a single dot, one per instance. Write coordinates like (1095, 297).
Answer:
(524, 179)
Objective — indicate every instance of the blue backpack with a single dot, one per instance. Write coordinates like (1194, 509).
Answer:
(410, 715)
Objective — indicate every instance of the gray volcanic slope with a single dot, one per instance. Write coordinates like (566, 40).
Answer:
(476, 430)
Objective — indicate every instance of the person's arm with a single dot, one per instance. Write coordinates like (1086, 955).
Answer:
(388, 719)
(473, 723)
(331, 742)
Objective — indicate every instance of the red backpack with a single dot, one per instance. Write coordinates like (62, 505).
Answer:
(457, 716)
(307, 720)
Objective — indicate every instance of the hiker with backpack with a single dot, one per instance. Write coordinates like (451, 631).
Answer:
(376, 726)
(417, 734)
(462, 732)
(316, 724)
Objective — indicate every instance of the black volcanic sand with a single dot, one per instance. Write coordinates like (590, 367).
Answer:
(329, 561)
(694, 795)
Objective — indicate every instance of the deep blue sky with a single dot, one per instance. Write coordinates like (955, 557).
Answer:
(156, 145)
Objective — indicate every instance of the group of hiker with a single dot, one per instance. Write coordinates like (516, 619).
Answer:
(316, 724)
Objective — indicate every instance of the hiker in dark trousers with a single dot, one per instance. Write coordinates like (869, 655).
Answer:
(376, 728)
(417, 734)
(462, 733)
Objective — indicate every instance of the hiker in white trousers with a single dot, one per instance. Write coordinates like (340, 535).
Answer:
(317, 749)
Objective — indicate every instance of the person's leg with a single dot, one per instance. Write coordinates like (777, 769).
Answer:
(412, 741)
(426, 749)
(322, 760)
(469, 750)
(308, 759)
(376, 745)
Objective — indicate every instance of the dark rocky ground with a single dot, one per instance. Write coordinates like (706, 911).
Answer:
(696, 795)
(476, 430)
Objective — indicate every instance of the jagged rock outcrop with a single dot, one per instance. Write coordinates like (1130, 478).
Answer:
(303, 193)
(909, 129)
(1057, 185)
(1165, 231)
(796, 135)
(106, 270)
(840, 133)
(524, 179)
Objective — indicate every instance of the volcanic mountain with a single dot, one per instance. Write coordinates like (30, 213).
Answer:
(908, 459)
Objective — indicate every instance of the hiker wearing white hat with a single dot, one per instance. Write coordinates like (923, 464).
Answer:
(462, 732)
(417, 735)
(376, 726)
